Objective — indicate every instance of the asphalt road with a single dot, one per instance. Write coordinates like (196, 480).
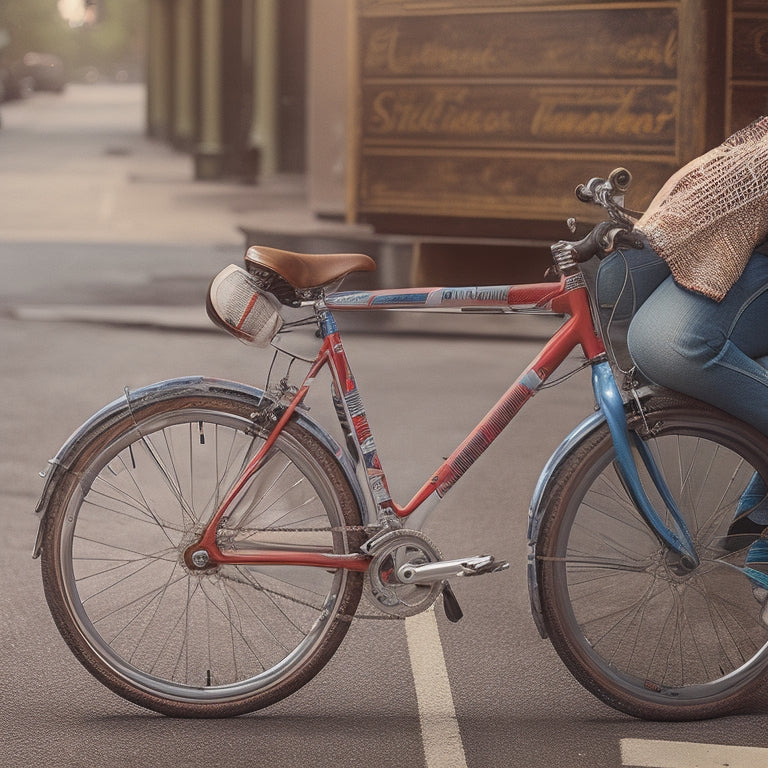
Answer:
(505, 699)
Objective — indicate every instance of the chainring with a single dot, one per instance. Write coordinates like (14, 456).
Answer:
(382, 587)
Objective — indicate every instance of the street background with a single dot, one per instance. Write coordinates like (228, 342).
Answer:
(106, 249)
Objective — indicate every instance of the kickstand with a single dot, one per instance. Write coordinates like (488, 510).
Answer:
(451, 605)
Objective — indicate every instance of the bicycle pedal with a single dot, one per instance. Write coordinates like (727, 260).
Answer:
(484, 564)
(451, 605)
(428, 573)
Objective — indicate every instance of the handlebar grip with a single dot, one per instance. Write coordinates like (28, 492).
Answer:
(620, 179)
(584, 249)
(586, 192)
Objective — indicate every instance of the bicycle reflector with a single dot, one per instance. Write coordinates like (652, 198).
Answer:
(237, 304)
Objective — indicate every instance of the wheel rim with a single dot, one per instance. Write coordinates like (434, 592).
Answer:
(205, 637)
(645, 623)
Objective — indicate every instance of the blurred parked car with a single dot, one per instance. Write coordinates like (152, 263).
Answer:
(15, 82)
(35, 72)
(46, 71)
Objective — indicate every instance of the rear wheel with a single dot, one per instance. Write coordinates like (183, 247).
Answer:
(198, 643)
(636, 628)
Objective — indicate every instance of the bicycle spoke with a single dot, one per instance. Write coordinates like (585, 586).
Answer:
(171, 480)
(225, 632)
(649, 621)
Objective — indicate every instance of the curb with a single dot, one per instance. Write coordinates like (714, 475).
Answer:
(402, 323)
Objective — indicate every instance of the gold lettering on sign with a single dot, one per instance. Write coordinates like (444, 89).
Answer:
(442, 112)
(596, 114)
(385, 54)
(647, 50)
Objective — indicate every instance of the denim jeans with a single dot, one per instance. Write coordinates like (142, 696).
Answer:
(624, 281)
(716, 352)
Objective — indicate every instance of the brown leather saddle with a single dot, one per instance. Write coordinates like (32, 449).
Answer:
(308, 270)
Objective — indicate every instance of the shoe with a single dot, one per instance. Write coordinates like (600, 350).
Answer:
(751, 516)
(761, 595)
(756, 569)
(756, 563)
(743, 526)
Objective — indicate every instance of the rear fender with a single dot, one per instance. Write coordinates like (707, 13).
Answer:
(133, 401)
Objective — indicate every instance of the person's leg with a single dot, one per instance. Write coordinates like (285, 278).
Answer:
(757, 563)
(709, 350)
(624, 280)
(716, 353)
(751, 514)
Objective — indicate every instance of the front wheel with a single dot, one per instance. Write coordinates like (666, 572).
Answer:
(637, 628)
(198, 643)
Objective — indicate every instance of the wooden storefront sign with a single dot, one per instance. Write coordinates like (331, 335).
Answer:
(748, 62)
(480, 117)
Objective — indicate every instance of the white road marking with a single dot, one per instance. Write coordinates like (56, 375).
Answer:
(440, 734)
(645, 753)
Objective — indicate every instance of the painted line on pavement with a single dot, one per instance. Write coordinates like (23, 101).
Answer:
(440, 734)
(646, 753)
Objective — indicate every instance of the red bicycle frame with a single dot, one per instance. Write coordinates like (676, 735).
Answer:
(568, 297)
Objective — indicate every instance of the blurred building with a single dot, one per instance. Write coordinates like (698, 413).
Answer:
(227, 82)
(455, 123)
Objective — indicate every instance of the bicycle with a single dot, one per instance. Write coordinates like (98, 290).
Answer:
(205, 544)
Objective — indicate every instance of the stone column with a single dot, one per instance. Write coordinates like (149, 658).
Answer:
(208, 154)
(328, 106)
(184, 74)
(263, 136)
(158, 69)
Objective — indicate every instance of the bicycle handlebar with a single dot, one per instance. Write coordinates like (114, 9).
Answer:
(607, 235)
(600, 191)
(589, 246)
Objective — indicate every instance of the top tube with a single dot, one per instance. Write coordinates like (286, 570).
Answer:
(534, 297)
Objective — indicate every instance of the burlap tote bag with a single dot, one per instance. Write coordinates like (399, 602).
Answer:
(707, 219)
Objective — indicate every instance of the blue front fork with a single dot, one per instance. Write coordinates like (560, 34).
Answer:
(610, 403)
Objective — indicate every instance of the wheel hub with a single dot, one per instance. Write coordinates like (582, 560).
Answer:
(679, 566)
(197, 558)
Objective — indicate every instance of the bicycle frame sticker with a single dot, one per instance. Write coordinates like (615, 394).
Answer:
(486, 432)
(346, 386)
(499, 298)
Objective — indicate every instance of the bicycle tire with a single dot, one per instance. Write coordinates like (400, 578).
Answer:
(188, 643)
(643, 635)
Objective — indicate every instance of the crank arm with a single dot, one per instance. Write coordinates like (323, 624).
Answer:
(429, 573)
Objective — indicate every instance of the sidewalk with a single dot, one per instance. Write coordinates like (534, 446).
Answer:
(77, 167)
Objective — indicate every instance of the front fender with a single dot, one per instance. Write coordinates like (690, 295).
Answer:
(583, 430)
(133, 401)
(536, 510)
(643, 396)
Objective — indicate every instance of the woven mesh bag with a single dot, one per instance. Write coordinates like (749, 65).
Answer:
(709, 216)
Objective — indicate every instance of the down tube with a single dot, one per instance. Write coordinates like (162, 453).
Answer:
(529, 382)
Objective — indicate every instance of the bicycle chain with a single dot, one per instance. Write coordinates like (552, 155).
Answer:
(297, 601)
(333, 529)
(364, 529)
